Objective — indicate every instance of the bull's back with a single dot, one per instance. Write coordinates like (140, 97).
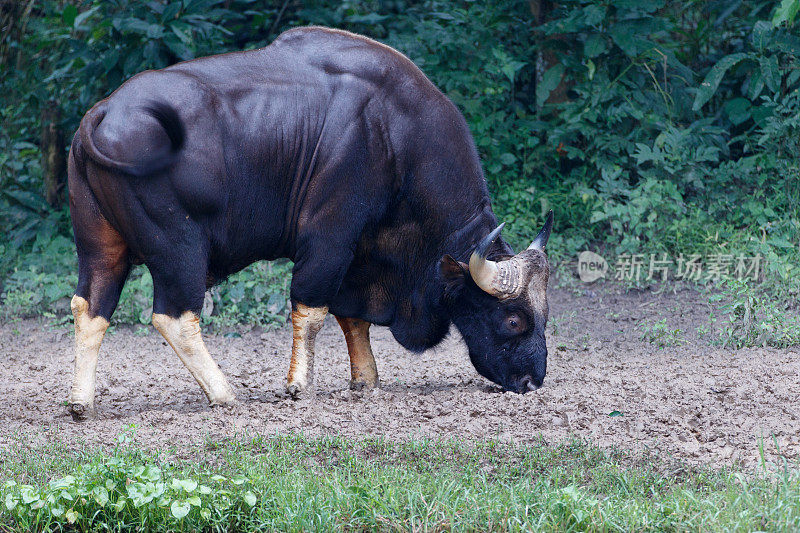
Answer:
(259, 126)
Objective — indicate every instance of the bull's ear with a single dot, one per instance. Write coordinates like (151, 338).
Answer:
(452, 270)
(454, 275)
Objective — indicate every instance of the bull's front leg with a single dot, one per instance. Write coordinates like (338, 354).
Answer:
(363, 371)
(306, 323)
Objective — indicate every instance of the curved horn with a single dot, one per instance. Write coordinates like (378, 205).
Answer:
(541, 238)
(483, 271)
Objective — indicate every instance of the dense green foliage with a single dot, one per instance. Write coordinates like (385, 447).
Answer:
(648, 126)
(292, 483)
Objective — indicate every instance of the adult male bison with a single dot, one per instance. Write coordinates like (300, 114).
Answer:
(327, 148)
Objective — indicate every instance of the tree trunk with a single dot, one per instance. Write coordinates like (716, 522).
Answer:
(54, 162)
(547, 58)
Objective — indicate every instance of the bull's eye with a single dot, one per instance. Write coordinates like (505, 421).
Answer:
(515, 323)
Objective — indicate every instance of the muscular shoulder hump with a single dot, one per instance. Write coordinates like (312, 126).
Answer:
(309, 33)
(342, 52)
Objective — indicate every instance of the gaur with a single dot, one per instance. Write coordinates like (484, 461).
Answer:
(327, 148)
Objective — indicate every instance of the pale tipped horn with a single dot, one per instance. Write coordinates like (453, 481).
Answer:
(484, 272)
(541, 238)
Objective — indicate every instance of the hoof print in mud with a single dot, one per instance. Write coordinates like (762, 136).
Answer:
(80, 412)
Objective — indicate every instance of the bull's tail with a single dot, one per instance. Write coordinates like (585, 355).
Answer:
(168, 119)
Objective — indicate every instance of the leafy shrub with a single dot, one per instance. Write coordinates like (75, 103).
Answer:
(259, 295)
(751, 318)
(45, 282)
(121, 490)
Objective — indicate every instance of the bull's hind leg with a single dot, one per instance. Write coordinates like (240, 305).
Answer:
(103, 266)
(183, 334)
(177, 300)
(89, 332)
(363, 371)
(306, 323)
(100, 280)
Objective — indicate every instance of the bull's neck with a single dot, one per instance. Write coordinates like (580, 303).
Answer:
(428, 320)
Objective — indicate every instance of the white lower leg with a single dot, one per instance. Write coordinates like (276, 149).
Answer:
(88, 336)
(183, 334)
(306, 323)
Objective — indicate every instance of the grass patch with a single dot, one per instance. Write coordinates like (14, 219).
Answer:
(657, 332)
(331, 483)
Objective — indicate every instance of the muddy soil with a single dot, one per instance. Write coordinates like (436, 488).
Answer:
(688, 401)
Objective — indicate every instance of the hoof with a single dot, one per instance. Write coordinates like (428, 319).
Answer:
(295, 391)
(228, 402)
(81, 412)
(362, 385)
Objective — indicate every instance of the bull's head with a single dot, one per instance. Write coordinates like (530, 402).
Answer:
(500, 308)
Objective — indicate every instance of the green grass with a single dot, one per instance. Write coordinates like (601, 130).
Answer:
(297, 483)
(657, 332)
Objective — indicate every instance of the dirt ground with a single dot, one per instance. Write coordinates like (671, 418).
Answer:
(689, 402)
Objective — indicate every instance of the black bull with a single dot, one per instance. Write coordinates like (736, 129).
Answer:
(326, 148)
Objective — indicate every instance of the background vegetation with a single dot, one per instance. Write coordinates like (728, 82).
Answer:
(648, 126)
